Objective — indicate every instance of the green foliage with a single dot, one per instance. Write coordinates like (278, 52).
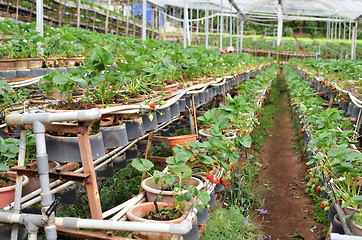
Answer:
(226, 224)
(114, 191)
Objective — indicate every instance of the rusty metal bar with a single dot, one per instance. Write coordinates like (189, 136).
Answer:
(88, 167)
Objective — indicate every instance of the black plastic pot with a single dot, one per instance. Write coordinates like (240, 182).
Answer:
(132, 153)
(194, 232)
(182, 105)
(203, 216)
(5, 232)
(355, 111)
(337, 225)
(134, 128)
(175, 110)
(8, 74)
(212, 201)
(350, 108)
(67, 197)
(149, 125)
(163, 115)
(115, 136)
(105, 173)
(66, 149)
(120, 162)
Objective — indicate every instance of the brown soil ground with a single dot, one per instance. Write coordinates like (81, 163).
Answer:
(287, 204)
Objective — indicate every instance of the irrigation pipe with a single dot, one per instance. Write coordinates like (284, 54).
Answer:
(77, 223)
(101, 161)
(25, 83)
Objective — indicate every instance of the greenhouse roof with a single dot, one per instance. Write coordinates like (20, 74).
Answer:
(347, 9)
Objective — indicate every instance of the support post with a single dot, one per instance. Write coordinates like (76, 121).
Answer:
(78, 14)
(39, 17)
(207, 25)
(190, 27)
(221, 26)
(231, 26)
(147, 156)
(186, 23)
(354, 40)
(19, 182)
(107, 18)
(212, 21)
(339, 32)
(331, 32)
(88, 167)
(335, 31)
(349, 32)
(241, 33)
(328, 28)
(17, 10)
(280, 23)
(237, 34)
(144, 20)
(197, 22)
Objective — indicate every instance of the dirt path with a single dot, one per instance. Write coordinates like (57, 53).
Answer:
(287, 205)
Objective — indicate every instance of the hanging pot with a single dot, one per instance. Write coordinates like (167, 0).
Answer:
(350, 108)
(163, 115)
(115, 136)
(149, 125)
(181, 140)
(35, 63)
(202, 217)
(105, 172)
(21, 63)
(175, 110)
(134, 128)
(137, 214)
(132, 153)
(182, 104)
(7, 194)
(66, 149)
(194, 233)
(7, 64)
(120, 162)
(197, 99)
(219, 187)
(212, 201)
(355, 111)
(355, 229)
(337, 225)
(153, 190)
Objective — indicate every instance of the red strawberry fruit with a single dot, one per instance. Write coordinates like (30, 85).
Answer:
(223, 181)
(152, 105)
(319, 189)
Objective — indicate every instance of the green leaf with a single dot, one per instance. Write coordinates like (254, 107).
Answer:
(142, 164)
(246, 140)
(60, 79)
(4, 167)
(204, 197)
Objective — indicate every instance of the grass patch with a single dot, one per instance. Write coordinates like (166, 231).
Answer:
(230, 224)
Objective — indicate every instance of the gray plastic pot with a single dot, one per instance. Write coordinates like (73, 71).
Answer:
(132, 153)
(194, 232)
(66, 149)
(345, 105)
(175, 110)
(197, 99)
(163, 115)
(114, 136)
(350, 108)
(134, 128)
(203, 216)
(120, 162)
(355, 111)
(182, 105)
(149, 125)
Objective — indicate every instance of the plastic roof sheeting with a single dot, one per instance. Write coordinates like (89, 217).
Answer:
(345, 9)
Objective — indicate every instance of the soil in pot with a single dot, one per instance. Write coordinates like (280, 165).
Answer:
(164, 214)
(81, 105)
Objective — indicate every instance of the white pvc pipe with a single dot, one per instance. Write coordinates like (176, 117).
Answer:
(118, 208)
(39, 17)
(221, 27)
(241, 34)
(76, 223)
(185, 23)
(207, 25)
(144, 20)
(336, 236)
(280, 24)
